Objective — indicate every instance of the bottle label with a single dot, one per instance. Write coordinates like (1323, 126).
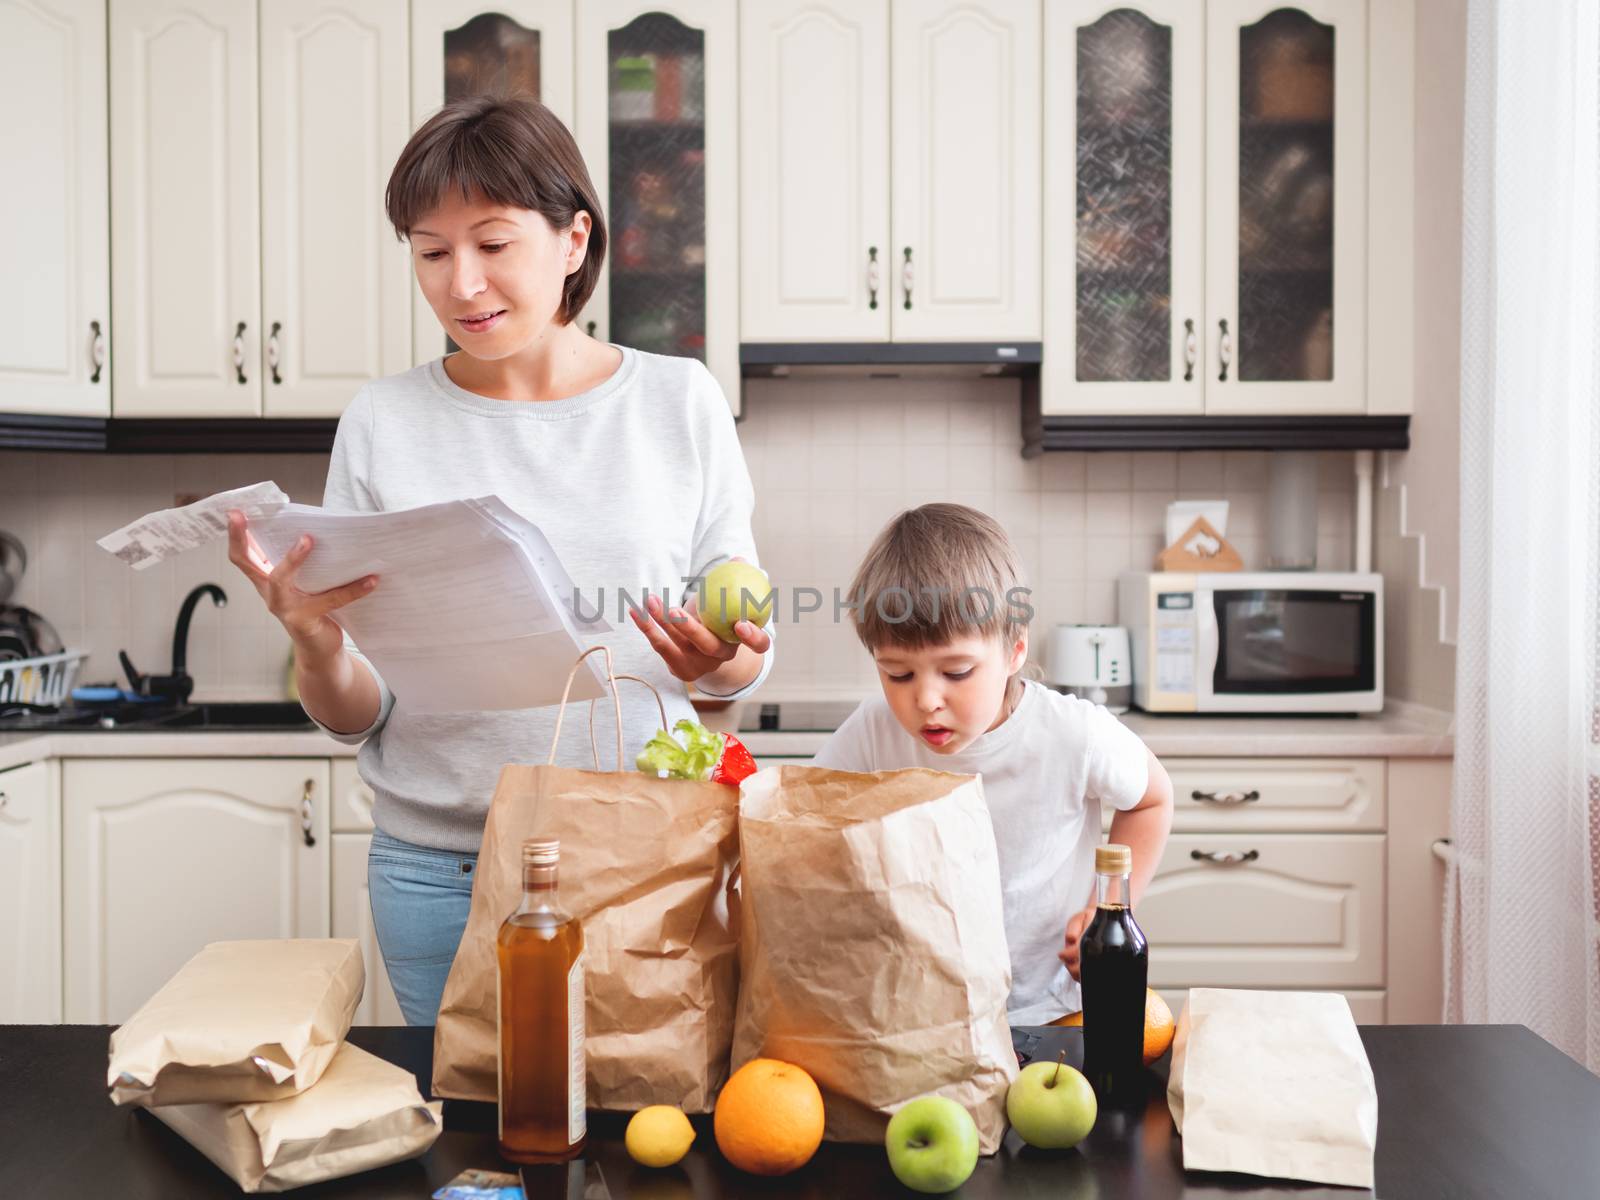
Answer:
(578, 1073)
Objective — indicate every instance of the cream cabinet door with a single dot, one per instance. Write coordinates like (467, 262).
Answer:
(30, 866)
(185, 209)
(814, 166)
(352, 918)
(964, 263)
(1267, 910)
(1286, 206)
(336, 285)
(658, 124)
(56, 308)
(352, 799)
(1124, 207)
(162, 856)
(463, 47)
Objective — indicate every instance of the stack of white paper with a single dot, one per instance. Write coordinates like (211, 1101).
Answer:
(473, 610)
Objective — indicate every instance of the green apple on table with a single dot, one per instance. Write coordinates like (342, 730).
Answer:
(1051, 1105)
(932, 1144)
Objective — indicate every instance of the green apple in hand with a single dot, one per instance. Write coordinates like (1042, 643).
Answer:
(1051, 1106)
(933, 1144)
(732, 592)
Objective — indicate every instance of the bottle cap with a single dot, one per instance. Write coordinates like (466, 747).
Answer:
(1113, 859)
(541, 852)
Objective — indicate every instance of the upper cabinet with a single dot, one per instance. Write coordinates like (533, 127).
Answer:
(55, 311)
(891, 170)
(461, 48)
(659, 129)
(255, 277)
(1207, 190)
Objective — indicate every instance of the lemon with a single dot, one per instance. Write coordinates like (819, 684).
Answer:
(658, 1136)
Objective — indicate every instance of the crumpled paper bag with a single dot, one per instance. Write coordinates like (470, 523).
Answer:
(873, 949)
(248, 1020)
(645, 865)
(362, 1114)
(1275, 1084)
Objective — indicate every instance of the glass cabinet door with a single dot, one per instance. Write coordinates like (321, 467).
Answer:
(465, 48)
(1287, 207)
(658, 131)
(1123, 167)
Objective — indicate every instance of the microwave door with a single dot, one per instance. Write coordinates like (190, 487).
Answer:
(1293, 643)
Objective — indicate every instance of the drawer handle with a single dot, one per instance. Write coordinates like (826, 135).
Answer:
(1226, 858)
(1225, 797)
(307, 813)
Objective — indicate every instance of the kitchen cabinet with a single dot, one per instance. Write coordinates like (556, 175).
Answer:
(54, 318)
(1205, 232)
(352, 918)
(465, 48)
(871, 220)
(658, 124)
(30, 865)
(213, 231)
(335, 284)
(161, 856)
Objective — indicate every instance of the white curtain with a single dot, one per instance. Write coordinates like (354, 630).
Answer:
(1521, 916)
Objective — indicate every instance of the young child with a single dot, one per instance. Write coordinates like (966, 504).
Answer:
(944, 612)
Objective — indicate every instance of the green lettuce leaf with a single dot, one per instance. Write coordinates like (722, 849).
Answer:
(691, 756)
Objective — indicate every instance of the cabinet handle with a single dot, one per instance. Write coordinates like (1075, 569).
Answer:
(872, 277)
(306, 813)
(97, 351)
(1224, 348)
(906, 277)
(1227, 858)
(272, 351)
(238, 352)
(1225, 797)
(1191, 350)
(2, 799)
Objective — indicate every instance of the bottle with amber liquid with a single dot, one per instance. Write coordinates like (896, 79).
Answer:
(543, 1076)
(1114, 966)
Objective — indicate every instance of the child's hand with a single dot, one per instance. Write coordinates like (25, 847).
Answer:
(1075, 927)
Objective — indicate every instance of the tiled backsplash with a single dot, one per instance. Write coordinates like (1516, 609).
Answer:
(832, 461)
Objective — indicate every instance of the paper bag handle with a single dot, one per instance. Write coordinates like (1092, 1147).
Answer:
(616, 701)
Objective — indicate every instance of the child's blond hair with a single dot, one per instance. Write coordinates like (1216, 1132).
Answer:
(938, 573)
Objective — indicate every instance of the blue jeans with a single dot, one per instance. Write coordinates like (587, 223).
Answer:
(420, 900)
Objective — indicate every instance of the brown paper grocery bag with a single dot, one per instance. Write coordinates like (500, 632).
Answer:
(363, 1113)
(249, 1020)
(873, 948)
(645, 865)
(1274, 1084)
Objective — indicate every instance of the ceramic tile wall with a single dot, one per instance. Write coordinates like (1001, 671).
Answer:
(831, 460)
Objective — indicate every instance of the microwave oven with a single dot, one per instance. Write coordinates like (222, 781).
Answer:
(1254, 642)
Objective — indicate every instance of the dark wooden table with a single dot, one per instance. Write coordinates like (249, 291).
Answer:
(1463, 1112)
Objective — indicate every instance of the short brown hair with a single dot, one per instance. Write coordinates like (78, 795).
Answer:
(937, 573)
(513, 151)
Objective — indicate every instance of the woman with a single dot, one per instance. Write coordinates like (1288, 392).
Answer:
(627, 461)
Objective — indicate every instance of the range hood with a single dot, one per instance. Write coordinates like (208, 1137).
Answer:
(890, 360)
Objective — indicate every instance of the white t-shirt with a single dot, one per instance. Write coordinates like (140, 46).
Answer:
(1046, 772)
(638, 483)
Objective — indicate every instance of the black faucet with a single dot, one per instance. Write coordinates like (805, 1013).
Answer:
(177, 685)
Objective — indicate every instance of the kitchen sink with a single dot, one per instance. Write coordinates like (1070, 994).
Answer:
(238, 714)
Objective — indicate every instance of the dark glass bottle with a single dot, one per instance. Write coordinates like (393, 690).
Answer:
(1114, 970)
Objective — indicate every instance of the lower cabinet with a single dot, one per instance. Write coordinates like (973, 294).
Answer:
(352, 918)
(30, 895)
(161, 856)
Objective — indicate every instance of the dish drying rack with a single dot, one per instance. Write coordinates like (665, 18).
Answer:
(45, 681)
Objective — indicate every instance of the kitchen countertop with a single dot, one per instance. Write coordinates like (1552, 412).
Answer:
(1464, 1112)
(1400, 731)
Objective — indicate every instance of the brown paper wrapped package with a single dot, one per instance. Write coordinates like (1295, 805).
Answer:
(874, 949)
(363, 1113)
(645, 864)
(1275, 1084)
(240, 1021)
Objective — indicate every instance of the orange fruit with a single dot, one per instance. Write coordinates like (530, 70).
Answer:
(768, 1119)
(1158, 1025)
